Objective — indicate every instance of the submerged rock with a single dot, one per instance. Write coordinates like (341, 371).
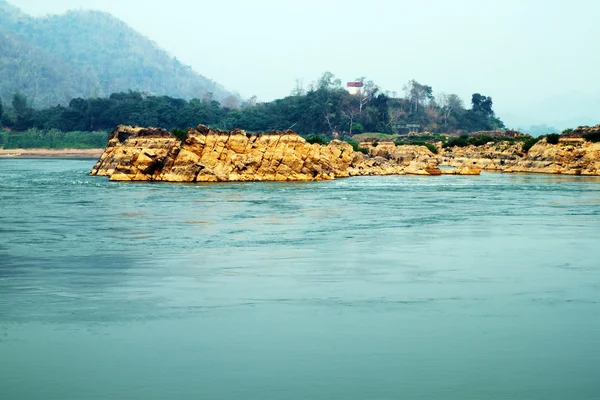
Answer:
(206, 155)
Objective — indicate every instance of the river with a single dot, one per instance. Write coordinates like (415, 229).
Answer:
(399, 287)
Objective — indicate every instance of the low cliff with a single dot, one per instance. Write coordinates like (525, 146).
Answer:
(488, 157)
(205, 155)
(570, 156)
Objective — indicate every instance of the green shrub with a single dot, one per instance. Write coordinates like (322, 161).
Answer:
(356, 146)
(353, 143)
(461, 141)
(567, 130)
(180, 134)
(318, 139)
(592, 137)
(357, 128)
(431, 147)
(481, 140)
(375, 143)
(552, 138)
(529, 142)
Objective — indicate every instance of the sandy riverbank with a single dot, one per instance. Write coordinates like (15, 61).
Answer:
(33, 153)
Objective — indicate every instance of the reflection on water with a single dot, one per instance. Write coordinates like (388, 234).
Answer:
(450, 287)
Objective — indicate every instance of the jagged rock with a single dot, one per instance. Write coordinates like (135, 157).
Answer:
(571, 156)
(206, 155)
(580, 131)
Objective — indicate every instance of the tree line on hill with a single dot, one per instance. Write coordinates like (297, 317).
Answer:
(323, 108)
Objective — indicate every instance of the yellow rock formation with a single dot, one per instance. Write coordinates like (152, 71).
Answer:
(149, 154)
(571, 156)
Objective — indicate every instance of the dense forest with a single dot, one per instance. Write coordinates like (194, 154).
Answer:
(84, 54)
(323, 108)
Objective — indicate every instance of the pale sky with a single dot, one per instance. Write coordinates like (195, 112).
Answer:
(538, 59)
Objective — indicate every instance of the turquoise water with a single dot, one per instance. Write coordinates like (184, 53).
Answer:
(484, 287)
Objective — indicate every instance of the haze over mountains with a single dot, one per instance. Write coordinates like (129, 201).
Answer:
(534, 58)
(56, 58)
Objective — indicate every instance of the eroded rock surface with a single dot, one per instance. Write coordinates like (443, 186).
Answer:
(571, 156)
(205, 155)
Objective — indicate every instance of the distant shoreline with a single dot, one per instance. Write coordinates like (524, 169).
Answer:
(50, 153)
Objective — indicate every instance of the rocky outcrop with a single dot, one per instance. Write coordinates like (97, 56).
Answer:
(571, 156)
(205, 155)
(389, 159)
(580, 131)
(567, 157)
(488, 157)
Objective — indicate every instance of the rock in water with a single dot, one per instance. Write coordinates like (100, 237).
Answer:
(572, 155)
(206, 155)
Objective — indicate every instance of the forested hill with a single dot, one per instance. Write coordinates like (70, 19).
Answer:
(56, 58)
(326, 107)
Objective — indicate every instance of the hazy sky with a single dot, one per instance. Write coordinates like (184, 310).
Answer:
(538, 59)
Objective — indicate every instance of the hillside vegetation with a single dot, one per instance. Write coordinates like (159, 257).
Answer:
(85, 54)
(325, 108)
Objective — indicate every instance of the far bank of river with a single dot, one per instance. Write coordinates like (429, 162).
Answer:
(32, 153)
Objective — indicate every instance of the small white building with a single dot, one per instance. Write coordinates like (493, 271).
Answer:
(354, 87)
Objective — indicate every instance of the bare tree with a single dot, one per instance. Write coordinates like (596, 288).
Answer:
(251, 102)
(395, 111)
(450, 104)
(231, 102)
(350, 110)
(208, 97)
(417, 94)
(367, 92)
(299, 88)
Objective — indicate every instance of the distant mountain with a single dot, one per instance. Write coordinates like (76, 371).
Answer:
(539, 130)
(86, 54)
(562, 111)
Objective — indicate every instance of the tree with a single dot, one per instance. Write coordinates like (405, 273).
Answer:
(251, 102)
(208, 97)
(23, 113)
(231, 102)
(299, 88)
(482, 104)
(367, 92)
(328, 81)
(417, 94)
(451, 105)
(396, 112)
(350, 109)
(481, 115)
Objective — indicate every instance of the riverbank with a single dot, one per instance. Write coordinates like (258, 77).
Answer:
(59, 153)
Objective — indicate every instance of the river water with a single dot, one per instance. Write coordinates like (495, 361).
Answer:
(400, 287)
